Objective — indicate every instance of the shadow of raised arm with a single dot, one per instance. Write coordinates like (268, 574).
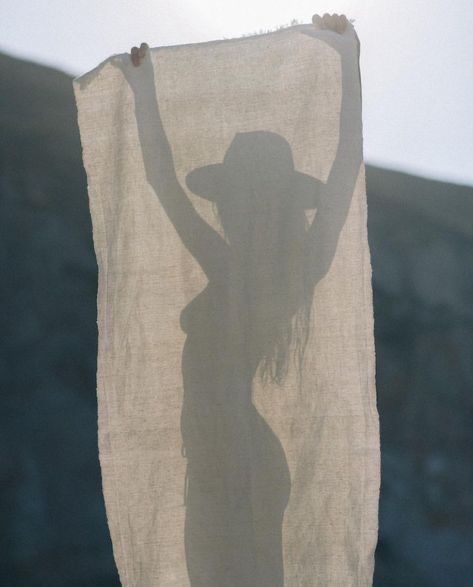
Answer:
(336, 193)
(201, 240)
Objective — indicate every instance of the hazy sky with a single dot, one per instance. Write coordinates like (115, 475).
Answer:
(416, 59)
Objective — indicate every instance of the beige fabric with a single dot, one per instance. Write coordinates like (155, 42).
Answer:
(226, 459)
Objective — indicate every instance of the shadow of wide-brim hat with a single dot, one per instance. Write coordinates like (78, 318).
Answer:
(258, 154)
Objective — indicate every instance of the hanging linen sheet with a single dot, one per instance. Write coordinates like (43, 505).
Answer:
(237, 420)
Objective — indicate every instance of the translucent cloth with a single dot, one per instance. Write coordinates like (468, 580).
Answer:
(237, 420)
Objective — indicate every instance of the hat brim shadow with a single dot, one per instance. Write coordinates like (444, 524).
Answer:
(211, 182)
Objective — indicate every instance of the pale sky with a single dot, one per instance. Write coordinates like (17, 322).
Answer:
(417, 57)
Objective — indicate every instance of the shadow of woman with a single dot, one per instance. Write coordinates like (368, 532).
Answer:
(254, 314)
(238, 479)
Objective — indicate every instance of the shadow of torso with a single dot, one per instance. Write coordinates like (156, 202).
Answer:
(238, 479)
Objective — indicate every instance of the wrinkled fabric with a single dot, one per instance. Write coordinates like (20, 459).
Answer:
(237, 423)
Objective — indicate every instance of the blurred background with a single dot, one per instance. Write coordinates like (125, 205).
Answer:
(418, 141)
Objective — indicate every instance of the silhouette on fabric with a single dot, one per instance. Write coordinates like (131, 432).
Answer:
(254, 311)
(238, 477)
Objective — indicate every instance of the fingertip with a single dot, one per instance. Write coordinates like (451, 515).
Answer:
(329, 22)
(340, 25)
(135, 56)
(143, 49)
(317, 21)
